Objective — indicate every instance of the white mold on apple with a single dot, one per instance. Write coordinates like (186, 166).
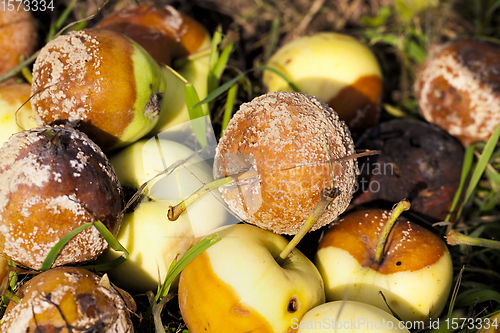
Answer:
(151, 239)
(237, 285)
(67, 299)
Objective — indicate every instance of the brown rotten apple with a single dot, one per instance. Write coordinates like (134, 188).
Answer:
(67, 299)
(100, 82)
(55, 179)
(412, 267)
(299, 150)
(18, 35)
(168, 35)
(458, 88)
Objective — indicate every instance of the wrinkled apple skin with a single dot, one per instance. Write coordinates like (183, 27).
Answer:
(153, 241)
(58, 180)
(65, 297)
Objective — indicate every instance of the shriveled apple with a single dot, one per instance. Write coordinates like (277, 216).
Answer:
(336, 68)
(238, 286)
(67, 299)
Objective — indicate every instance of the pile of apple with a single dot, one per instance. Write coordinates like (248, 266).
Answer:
(106, 121)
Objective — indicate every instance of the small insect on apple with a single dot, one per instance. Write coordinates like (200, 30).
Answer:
(372, 256)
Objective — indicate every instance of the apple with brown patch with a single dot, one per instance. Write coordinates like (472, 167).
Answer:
(414, 271)
(238, 286)
(67, 299)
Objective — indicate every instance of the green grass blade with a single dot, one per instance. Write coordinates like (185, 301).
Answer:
(54, 252)
(273, 39)
(466, 166)
(228, 111)
(60, 21)
(223, 59)
(481, 166)
(196, 110)
(223, 88)
(472, 298)
(178, 266)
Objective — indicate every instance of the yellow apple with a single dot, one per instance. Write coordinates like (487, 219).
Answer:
(13, 118)
(237, 285)
(415, 273)
(336, 68)
(348, 316)
(152, 240)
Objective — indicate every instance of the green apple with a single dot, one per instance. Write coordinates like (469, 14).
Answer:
(336, 68)
(238, 286)
(414, 274)
(347, 316)
(13, 117)
(100, 82)
(152, 240)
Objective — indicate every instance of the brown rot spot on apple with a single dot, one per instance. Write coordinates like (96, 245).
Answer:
(417, 161)
(293, 305)
(358, 234)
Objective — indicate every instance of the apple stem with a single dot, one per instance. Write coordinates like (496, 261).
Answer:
(175, 211)
(327, 197)
(396, 211)
(456, 238)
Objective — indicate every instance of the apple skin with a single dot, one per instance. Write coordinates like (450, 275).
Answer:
(347, 316)
(13, 120)
(100, 82)
(67, 299)
(168, 35)
(337, 69)
(415, 275)
(152, 241)
(237, 286)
